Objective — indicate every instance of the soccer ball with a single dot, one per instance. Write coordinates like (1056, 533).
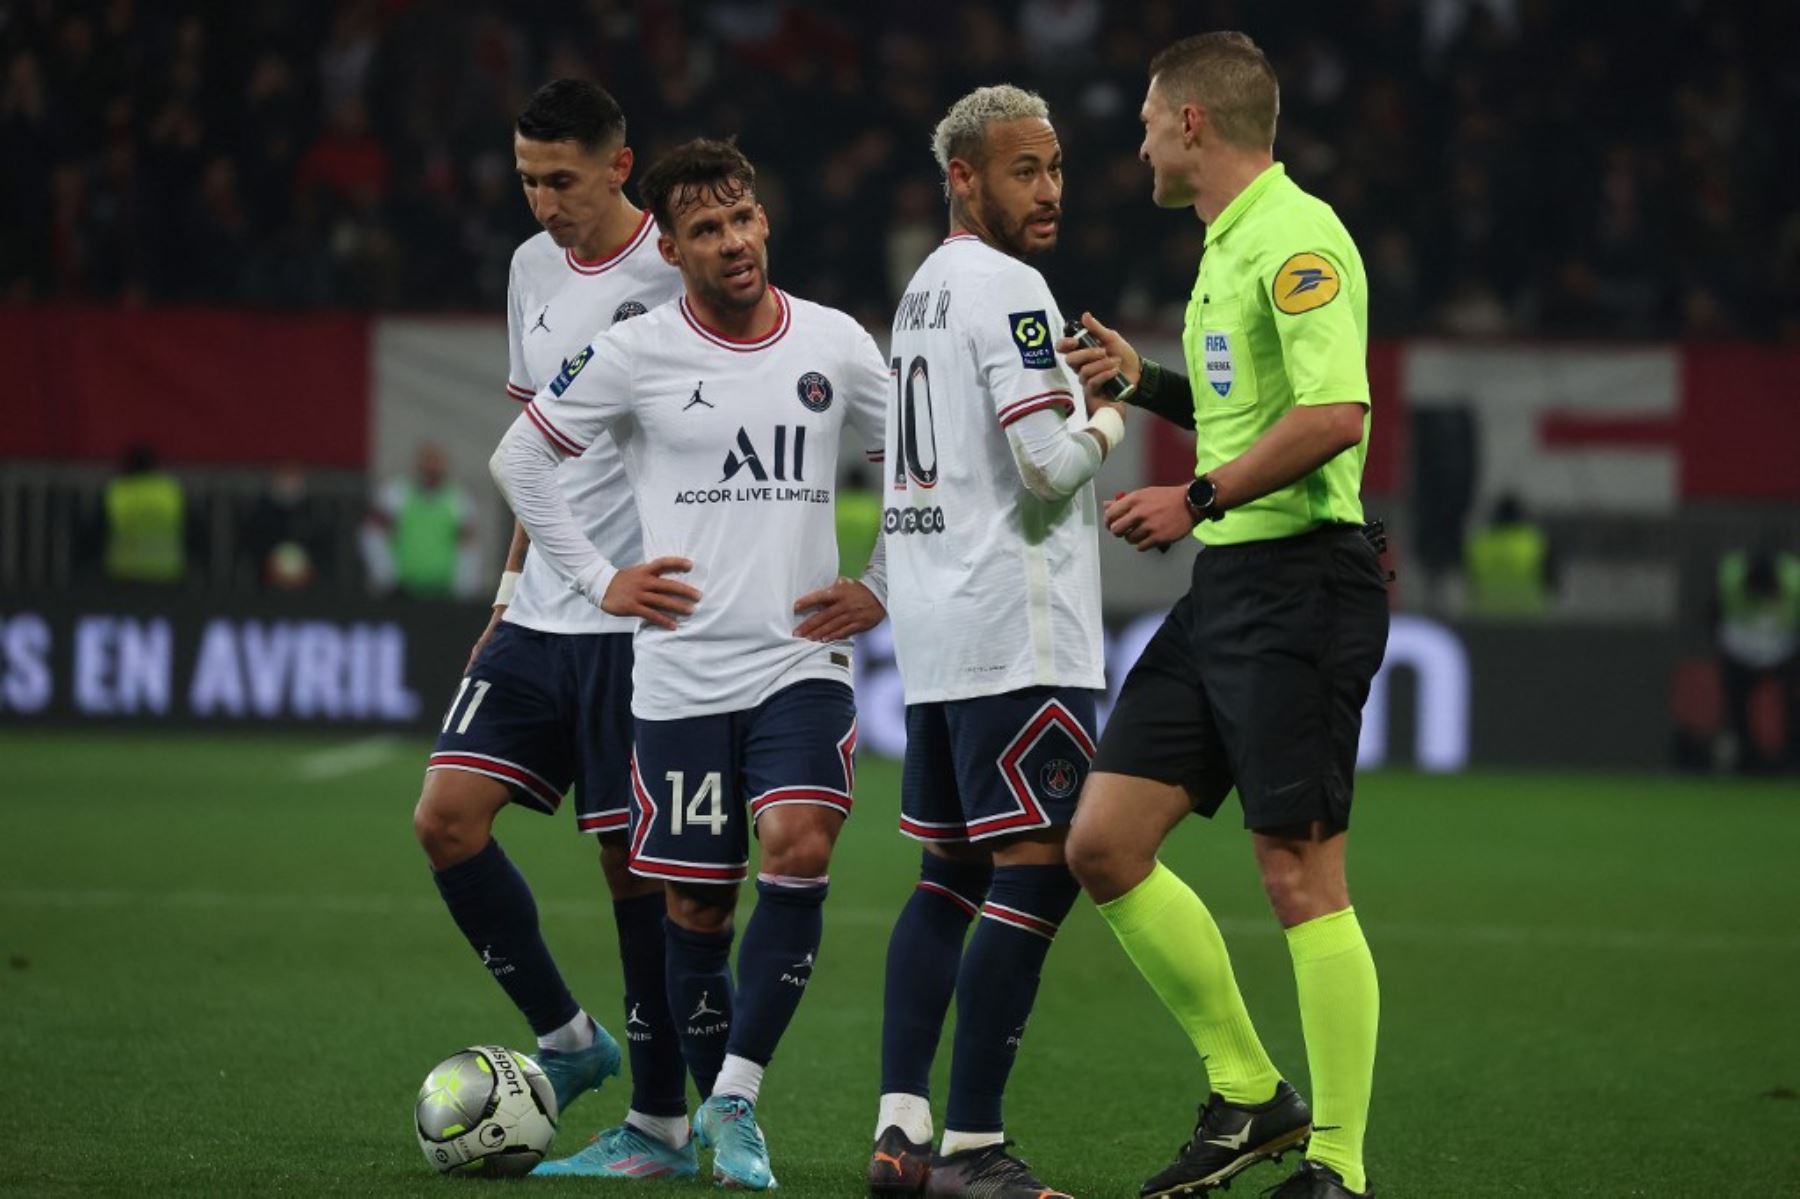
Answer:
(486, 1110)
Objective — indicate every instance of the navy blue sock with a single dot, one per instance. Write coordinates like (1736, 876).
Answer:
(997, 984)
(658, 1075)
(775, 963)
(922, 959)
(698, 970)
(490, 902)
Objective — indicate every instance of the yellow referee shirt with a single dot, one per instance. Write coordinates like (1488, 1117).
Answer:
(1279, 317)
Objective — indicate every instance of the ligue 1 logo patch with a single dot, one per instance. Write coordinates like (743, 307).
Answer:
(1058, 778)
(1217, 353)
(627, 310)
(1031, 335)
(815, 391)
(570, 368)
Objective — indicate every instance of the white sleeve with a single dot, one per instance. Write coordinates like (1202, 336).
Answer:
(1054, 457)
(524, 467)
(591, 392)
(518, 380)
(871, 384)
(1013, 337)
(874, 575)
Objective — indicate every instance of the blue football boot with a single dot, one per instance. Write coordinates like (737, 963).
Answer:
(582, 1070)
(726, 1124)
(626, 1152)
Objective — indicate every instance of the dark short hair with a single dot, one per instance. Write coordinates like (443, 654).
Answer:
(572, 110)
(1228, 75)
(691, 172)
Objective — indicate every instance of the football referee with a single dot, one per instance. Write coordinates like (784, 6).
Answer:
(1257, 678)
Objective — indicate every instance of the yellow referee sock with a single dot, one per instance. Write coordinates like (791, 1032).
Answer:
(1173, 941)
(1340, 1008)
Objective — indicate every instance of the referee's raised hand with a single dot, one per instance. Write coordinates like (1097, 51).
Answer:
(1114, 357)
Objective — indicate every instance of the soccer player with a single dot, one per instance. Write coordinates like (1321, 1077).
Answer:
(1258, 676)
(727, 406)
(546, 699)
(994, 593)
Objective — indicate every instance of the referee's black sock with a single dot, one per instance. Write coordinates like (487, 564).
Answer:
(490, 901)
(995, 989)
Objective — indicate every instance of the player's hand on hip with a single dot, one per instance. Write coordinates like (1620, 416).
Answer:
(841, 610)
(487, 635)
(647, 592)
(1114, 357)
(1150, 517)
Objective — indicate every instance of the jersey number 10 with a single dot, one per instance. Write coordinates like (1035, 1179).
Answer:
(912, 390)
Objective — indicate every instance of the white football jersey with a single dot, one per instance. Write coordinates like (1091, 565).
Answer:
(555, 303)
(731, 448)
(990, 589)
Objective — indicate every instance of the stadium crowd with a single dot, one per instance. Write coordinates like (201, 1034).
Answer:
(1508, 166)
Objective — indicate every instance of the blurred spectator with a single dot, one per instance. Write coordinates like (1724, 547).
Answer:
(417, 540)
(1503, 168)
(145, 518)
(286, 539)
(1759, 654)
(1508, 564)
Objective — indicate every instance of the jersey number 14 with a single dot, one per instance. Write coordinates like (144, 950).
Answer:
(707, 807)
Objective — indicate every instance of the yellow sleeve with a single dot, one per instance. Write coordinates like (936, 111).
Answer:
(1322, 346)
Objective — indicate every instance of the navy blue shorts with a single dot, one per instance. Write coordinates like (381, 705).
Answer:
(539, 711)
(996, 764)
(693, 779)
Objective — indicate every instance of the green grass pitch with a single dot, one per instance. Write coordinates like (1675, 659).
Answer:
(224, 970)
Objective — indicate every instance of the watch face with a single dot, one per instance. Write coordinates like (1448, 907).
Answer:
(1201, 493)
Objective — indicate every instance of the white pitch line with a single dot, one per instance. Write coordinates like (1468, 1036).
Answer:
(350, 758)
(1629, 940)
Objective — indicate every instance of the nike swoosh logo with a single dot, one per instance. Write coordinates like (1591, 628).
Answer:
(1238, 1141)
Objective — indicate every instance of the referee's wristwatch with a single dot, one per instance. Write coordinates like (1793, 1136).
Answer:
(1203, 500)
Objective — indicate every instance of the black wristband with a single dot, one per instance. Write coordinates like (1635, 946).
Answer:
(1164, 392)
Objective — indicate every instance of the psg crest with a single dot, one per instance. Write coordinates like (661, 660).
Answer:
(1058, 778)
(627, 310)
(815, 391)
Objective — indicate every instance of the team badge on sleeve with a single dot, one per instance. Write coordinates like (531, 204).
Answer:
(627, 310)
(815, 391)
(570, 368)
(1031, 334)
(1305, 282)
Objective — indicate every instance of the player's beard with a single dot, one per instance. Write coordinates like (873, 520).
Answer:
(1010, 233)
(721, 299)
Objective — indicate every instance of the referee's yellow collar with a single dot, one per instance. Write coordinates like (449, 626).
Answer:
(1243, 200)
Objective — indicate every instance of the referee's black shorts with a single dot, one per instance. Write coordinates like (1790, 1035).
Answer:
(1257, 679)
